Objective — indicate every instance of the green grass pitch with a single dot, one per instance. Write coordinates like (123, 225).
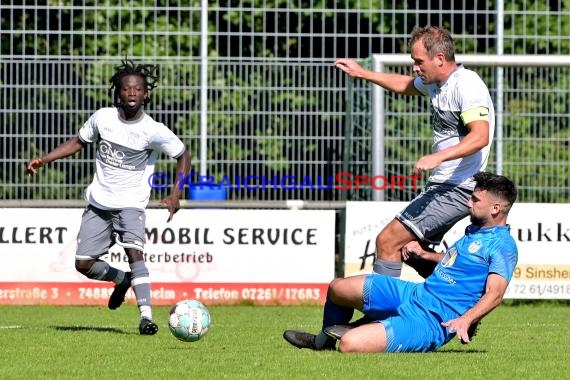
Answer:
(527, 341)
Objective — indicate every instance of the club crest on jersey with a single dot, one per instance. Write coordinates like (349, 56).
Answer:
(475, 246)
(449, 258)
(133, 138)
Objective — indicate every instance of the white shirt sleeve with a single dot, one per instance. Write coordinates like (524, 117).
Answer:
(166, 141)
(89, 132)
(420, 86)
(472, 93)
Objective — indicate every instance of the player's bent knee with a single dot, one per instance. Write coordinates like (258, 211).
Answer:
(134, 255)
(346, 291)
(333, 286)
(346, 345)
(391, 239)
(83, 266)
(369, 338)
(352, 343)
(385, 249)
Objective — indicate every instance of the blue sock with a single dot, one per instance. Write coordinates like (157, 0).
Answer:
(334, 314)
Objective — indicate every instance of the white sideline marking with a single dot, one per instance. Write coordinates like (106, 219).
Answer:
(10, 327)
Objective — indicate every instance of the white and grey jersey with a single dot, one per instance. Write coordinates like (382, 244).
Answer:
(463, 90)
(125, 158)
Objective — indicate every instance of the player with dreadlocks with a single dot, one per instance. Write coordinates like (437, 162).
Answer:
(128, 144)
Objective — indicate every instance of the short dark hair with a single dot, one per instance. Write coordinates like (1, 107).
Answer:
(497, 185)
(128, 67)
(435, 40)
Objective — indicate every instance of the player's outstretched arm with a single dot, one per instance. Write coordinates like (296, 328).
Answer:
(172, 202)
(494, 292)
(401, 84)
(68, 148)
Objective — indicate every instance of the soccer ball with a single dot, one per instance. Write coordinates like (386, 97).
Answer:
(189, 320)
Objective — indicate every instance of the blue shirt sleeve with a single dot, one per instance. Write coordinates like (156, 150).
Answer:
(504, 259)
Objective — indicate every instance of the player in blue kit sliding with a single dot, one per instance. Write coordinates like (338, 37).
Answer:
(469, 281)
(128, 144)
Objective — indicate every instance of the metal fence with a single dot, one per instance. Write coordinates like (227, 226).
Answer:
(532, 132)
(250, 87)
(278, 122)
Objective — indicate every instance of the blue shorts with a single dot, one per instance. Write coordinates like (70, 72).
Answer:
(411, 316)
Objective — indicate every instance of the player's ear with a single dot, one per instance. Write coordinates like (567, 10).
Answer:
(440, 59)
(496, 208)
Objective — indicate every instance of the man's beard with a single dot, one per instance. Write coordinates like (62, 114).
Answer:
(478, 221)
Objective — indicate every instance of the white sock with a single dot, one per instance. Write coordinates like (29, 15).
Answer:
(146, 311)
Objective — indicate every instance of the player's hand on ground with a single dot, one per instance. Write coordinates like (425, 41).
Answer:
(173, 205)
(34, 164)
(349, 66)
(460, 326)
(412, 249)
(426, 163)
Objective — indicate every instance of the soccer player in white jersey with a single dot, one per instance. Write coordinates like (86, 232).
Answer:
(463, 127)
(128, 143)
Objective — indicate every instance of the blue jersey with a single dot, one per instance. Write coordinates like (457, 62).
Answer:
(459, 279)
